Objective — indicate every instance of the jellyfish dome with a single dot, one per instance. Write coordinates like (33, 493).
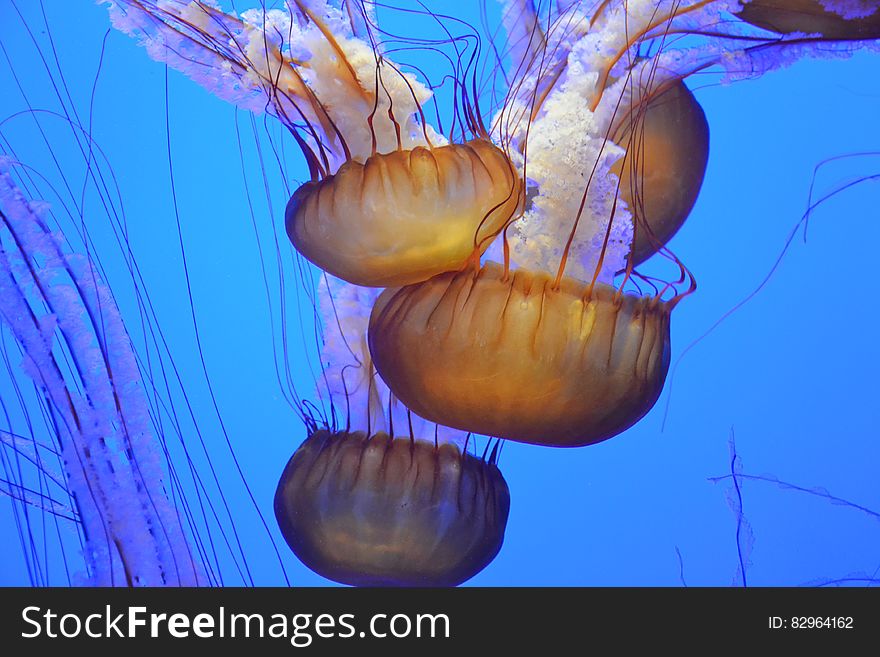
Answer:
(565, 365)
(543, 348)
(390, 499)
(666, 136)
(390, 201)
(404, 216)
(379, 511)
(404, 204)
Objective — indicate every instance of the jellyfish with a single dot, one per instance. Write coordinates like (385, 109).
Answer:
(379, 502)
(390, 201)
(543, 348)
(398, 216)
(547, 347)
(404, 216)
(559, 363)
(658, 122)
(667, 140)
(382, 511)
(832, 19)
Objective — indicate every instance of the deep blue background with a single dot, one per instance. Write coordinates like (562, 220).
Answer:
(793, 373)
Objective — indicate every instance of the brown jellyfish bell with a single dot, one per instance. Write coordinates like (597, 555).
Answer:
(405, 205)
(389, 202)
(666, 136)
(811, 17)
(519, 356)
(381, 511)
(560, 359)
(404, 216)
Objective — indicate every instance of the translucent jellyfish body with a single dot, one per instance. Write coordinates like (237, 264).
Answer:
(843, 19)
(379, 511)
(516, 357)
(404, 216)
(667, 140)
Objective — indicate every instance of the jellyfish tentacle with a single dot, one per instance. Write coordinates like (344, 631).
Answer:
(112, 466)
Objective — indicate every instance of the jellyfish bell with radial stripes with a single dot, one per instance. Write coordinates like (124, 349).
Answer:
(666, 136)
(560, 345)
(512, 354)
(404, 204)
(388, 500)
(390, 200)
(382, 511)
(544, 347)
(404, 216)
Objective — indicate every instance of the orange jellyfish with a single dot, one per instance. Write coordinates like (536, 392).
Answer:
(403, 216)
(546, 348)
(514, 354)
(551, 347)
(390, 200)
(388, 499)
(381, 511)
(397, 210)
(834, 21)
(667, 140)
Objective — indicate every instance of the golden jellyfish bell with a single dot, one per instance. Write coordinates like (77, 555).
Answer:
(404, 216)
(382, 511)
(810, 17)
(666, 136)
(515, 357)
